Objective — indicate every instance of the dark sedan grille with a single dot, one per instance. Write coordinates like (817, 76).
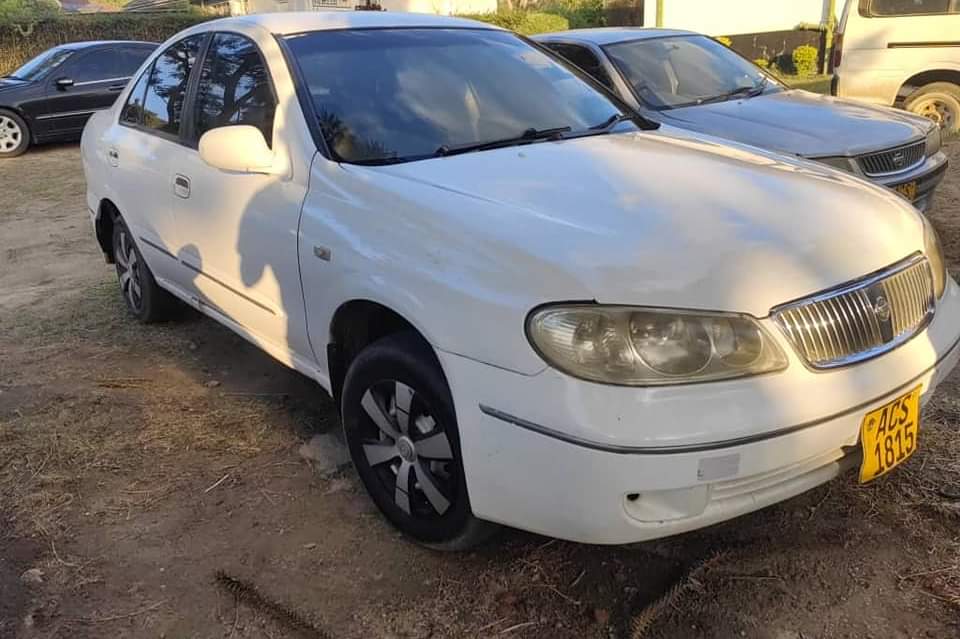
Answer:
(863, 319)
(895, 160)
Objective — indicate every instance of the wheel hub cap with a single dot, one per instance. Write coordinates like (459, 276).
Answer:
(10, 134)
(408, 452)
(408, 449)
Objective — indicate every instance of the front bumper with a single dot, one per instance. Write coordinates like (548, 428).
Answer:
(927, 177)
(602, 464)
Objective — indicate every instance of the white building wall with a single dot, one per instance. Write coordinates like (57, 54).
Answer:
(730, 17)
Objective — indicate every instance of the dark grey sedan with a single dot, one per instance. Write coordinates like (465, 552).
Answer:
(693, 82)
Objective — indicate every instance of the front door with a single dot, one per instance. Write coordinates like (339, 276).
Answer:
(239, 230)
(89, 82)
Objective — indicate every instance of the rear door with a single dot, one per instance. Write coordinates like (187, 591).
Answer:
(143, 146)
(89, 82)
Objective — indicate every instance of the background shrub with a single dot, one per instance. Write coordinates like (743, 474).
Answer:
(16, 48)
(527, 23)
(763, 63)
(581, 14)
(806, 60)
(724, 40)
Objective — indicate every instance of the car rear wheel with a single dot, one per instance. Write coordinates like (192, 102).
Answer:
(939, 102)
(14, 135)
(143, 296)
(401, 429)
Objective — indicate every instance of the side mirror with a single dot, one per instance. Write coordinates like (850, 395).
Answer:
(64, 83)
(241, 148)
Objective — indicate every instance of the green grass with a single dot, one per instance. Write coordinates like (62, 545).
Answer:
(815, 83)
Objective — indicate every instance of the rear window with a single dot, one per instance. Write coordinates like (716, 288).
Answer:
(889, 8)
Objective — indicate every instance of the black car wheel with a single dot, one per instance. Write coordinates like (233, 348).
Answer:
(143, 297)
(401, 429)
(14, 135)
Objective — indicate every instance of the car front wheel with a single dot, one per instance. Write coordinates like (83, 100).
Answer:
(401, 429)
(14, 135)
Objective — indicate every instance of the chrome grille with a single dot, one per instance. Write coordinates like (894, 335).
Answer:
(862, 319)
(895, 160)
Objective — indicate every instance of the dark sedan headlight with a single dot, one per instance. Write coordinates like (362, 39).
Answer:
(633, 346)
(842, 163)
(934, 141)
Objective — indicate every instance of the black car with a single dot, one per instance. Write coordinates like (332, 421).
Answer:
(53, 95)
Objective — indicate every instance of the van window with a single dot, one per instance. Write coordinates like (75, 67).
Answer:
(888, 8)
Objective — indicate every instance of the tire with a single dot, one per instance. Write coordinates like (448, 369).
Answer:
(145, 300)
(417, 448)
(14, 135)
(939, 102)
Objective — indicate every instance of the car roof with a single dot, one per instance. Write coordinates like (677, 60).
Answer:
(77, 46)
(289, 22)
(611, 35)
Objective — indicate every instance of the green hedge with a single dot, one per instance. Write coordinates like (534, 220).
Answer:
(527, 23)
(16, 48)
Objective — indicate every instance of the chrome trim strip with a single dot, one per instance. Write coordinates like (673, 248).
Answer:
(158, 247)
(89, 82)
(67, 114)
(711, 446)
(211, 278)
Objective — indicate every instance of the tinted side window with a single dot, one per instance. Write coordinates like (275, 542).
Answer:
(129, 60)
(167, 89)
(585, 59)
(234, 87)
(95, 66)
(912, 7)
(133, 110)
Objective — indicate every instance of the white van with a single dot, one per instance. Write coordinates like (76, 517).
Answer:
(904, 53)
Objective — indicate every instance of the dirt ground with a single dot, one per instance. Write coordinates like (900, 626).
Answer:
(150, 486)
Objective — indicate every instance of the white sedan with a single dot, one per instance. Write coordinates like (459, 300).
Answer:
(532, 307)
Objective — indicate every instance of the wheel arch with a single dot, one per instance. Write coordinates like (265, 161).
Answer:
(923, 78)
(356, 324)
(107, 213)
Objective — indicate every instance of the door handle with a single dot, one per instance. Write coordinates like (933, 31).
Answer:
(114, 157)
(181, 186)
(116, 89)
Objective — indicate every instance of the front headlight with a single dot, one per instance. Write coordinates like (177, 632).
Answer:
(634, 346)
(844, 164)
(934, 253)
(934, 141)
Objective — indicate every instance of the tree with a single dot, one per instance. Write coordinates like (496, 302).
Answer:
(24, 14)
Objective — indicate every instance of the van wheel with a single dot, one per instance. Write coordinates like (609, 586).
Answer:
(939, 102)
(401, 429)
(143, 296)
(14, 135)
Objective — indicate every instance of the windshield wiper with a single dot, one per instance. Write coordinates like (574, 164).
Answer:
(611, 122)
(749, 92)
(530, 135)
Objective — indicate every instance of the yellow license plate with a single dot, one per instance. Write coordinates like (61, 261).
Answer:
(889, 435)
(907, 190)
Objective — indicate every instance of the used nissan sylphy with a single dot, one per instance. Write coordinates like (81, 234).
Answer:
(532, 306)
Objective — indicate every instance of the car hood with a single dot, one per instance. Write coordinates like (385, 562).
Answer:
(10, 83)
(801, 123)
(647, 219)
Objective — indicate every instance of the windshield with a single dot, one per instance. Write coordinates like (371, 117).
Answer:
(42, 64)
(672, 72)
(392, 95)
